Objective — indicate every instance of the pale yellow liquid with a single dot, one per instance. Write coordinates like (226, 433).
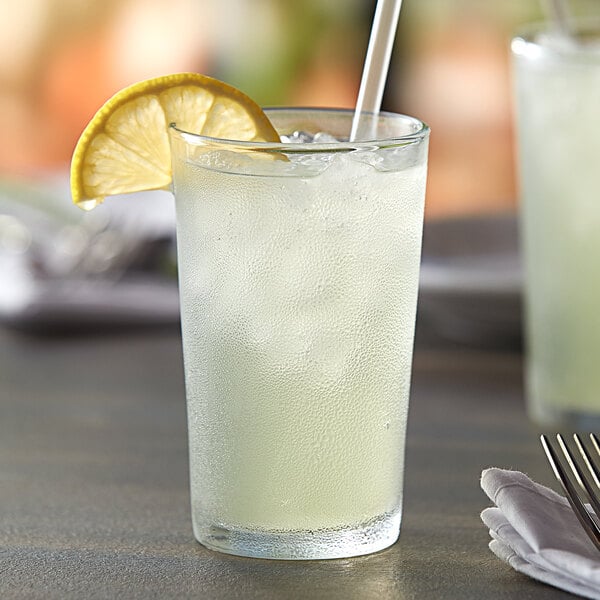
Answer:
(298, 303)
(558, 101)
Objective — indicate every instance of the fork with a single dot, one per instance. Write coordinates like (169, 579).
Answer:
(581, 492)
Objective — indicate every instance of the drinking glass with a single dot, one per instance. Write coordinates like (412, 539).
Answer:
(557, 89)
(298, 270)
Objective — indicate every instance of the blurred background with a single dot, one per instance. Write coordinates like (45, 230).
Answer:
(61, 59)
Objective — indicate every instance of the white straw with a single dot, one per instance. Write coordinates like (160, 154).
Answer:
(558, 12)
(376, 67)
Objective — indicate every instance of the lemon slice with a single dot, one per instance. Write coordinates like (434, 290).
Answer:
(125, 147)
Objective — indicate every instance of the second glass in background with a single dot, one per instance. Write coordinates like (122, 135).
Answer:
(557, 86)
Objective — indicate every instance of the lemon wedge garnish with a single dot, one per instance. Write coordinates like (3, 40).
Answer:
(125, 147)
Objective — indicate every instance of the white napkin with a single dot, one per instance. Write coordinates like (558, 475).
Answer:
(535, 531)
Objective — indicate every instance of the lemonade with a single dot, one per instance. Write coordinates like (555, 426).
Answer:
(298, 283)
(558, 101)
(298, 270)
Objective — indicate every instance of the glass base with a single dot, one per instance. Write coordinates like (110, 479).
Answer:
(565, 420)
(373, 536)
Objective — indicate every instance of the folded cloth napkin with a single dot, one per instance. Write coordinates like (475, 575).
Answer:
(535, 531)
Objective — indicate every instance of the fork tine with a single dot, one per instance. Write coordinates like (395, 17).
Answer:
(589, 525)
(579, 474)
(595, 443)
(589, 463)
(569, 458)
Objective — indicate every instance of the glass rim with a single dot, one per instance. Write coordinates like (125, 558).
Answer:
(294, 147)
(527, 40)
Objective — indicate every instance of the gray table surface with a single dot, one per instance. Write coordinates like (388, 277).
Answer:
(94, 483)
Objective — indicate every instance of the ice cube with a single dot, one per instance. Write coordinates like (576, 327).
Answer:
(297, 137)
(324, 138)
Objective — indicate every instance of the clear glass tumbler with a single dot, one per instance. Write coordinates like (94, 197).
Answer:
(298, 271)
(557, 89)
